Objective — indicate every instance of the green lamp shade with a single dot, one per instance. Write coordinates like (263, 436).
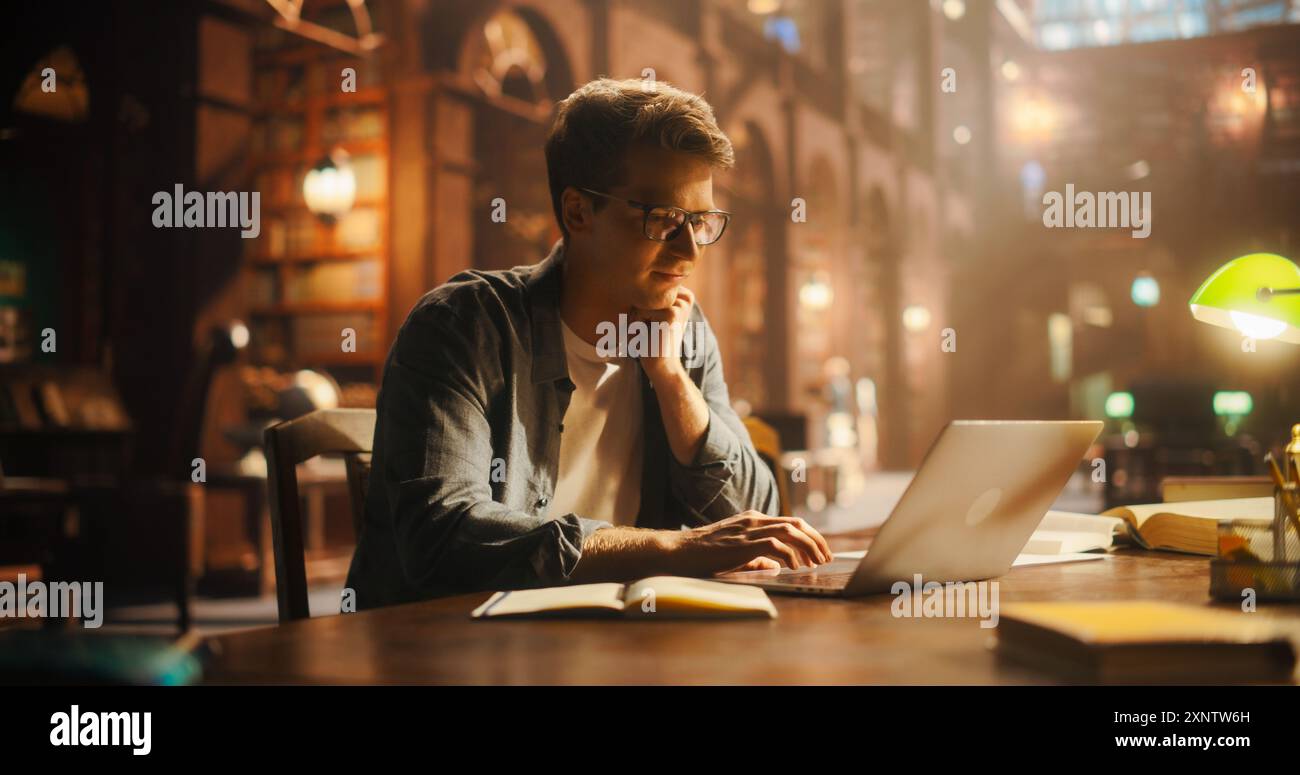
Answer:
(1230, 298)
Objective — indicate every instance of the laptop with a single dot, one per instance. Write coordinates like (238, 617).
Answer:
(982, 489)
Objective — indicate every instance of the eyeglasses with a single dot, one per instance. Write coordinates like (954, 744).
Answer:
(662, 223)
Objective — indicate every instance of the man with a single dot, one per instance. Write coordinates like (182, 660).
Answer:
(515, 447)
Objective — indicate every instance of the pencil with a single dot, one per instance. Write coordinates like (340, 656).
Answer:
(1287, 505)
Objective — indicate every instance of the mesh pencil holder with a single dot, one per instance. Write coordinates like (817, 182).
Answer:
(1260, 555)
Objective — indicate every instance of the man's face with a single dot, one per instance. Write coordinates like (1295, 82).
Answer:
(641, 272)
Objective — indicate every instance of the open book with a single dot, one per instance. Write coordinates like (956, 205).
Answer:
(657, 596)
(1190, 526)
(1144, 641)
(1064, 532)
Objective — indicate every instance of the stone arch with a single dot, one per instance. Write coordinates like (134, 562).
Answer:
(881, 293)
(823, 191)
(755, 281)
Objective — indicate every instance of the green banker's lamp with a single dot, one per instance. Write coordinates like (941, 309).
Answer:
(1257, 294)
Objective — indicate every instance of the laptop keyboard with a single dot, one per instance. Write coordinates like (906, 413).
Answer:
(814, 579)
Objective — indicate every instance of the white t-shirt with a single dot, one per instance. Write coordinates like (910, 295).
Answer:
(600, 447)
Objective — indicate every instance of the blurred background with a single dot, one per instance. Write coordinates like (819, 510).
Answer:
(922, 286)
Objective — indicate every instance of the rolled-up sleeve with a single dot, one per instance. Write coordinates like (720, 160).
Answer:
(727, 476)
(438, 462)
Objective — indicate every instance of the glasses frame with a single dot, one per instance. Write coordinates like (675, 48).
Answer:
(691, 217)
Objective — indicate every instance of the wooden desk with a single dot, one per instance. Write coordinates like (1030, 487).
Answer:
(814, 641)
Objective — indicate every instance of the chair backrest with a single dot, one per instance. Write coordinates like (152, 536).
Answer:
(358, 468)
(324, 431)
(767, 443)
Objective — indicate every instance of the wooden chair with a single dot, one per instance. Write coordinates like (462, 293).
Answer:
(767, 442)
(324, 431)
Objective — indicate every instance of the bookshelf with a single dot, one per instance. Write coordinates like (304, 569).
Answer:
(307, 279)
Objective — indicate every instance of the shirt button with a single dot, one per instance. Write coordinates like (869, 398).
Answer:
(543, 501)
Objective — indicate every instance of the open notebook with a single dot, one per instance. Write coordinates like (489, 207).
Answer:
(1190, 526)
(1144, 641)
(657, 596)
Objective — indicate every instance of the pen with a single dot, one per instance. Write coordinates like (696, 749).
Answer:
(1287, 504)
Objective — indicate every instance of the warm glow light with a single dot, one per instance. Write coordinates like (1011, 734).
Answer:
(1233, 112)
(954, 9)
(1101, 30)
(320, 389)
(1098, 315)
(1034, 118)
(330, 188)
(763, 7)
(1011, 70)
(1060, 340)
(239, 335)
(961, 134)
(916, 318)
(1256, 326)
(816, 294)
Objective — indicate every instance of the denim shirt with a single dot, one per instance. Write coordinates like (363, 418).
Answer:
(467, 446)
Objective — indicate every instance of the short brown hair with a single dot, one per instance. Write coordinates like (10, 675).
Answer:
(595, 126)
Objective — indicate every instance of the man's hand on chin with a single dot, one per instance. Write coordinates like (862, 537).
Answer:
(664, 364)
(681, 405)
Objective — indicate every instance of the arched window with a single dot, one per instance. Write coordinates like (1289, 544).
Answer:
(55, 88)
(520, 68)
(511, 61)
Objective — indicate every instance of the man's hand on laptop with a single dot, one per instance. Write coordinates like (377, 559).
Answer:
(750, 541)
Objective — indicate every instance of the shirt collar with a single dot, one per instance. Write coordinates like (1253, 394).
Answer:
(549, 363)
